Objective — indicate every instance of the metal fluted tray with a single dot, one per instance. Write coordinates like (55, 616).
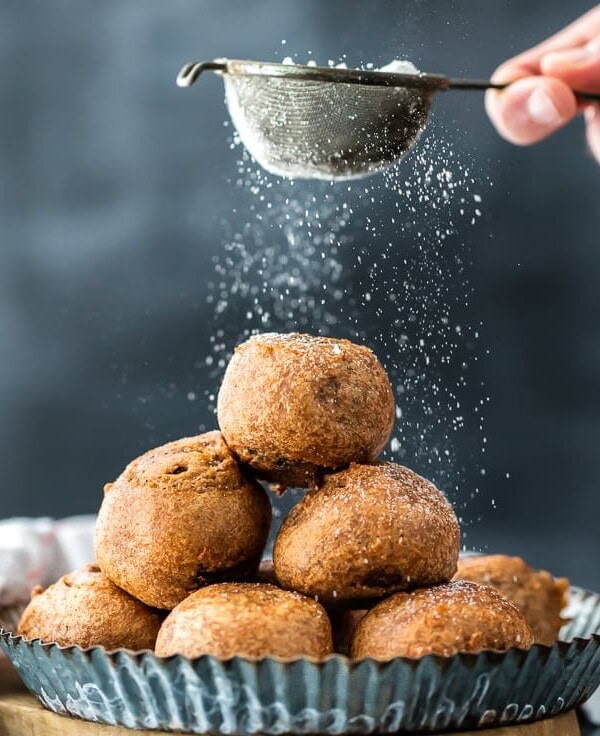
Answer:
(337, 695)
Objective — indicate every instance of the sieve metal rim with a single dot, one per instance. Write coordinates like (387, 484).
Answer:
(190, 72)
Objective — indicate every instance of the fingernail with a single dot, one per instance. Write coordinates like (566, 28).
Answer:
(571, 56)
(542, 110)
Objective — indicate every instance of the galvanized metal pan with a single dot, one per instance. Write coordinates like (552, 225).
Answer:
(334, 696)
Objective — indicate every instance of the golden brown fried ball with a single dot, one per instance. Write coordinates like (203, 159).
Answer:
(180, 517)
(246, 619)
(86, 609)
(456, 617)
(293, 405)
(366, 532)
(536, 593)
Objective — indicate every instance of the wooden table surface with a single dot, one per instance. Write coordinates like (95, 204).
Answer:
(22, 715)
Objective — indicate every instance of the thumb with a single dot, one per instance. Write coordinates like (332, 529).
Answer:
(578, 67)
(531, 108)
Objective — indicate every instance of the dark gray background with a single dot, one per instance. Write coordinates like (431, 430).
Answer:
(114, 186)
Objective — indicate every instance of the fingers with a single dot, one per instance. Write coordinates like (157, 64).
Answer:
(579, 67)
(592, 124)
(540, 99)
(531, 109)
(580, 32)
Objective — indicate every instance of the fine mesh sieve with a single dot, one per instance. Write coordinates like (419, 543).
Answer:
(328, 122)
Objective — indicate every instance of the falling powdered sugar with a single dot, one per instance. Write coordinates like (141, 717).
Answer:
(385, 262)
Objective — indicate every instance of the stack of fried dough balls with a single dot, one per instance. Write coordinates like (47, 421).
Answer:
(371, 547)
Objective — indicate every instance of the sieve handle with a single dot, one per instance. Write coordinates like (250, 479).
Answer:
(487, 84)
(189, 73)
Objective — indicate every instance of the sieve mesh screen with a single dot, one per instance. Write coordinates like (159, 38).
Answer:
(303, 128)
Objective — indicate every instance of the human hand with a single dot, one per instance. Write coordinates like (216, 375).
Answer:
(540, 99)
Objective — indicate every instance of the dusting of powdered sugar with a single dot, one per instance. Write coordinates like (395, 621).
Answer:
(384, 262)
(399, 66)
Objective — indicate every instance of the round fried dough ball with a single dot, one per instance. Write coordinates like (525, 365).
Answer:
(293, 405)
(366, 532)
(180, 517)
(246, 619)
(456, 617)
(536, 593)
(86, 609)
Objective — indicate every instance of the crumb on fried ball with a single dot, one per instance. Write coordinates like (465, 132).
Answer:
(294, 405)
(539, 595)
(366, 532)
(84, 608)
(179, 517)
(246, 619)
(459, 616)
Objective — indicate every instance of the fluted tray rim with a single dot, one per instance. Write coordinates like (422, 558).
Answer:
(493, 656)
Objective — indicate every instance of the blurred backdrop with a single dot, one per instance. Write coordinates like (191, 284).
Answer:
(118, 192)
